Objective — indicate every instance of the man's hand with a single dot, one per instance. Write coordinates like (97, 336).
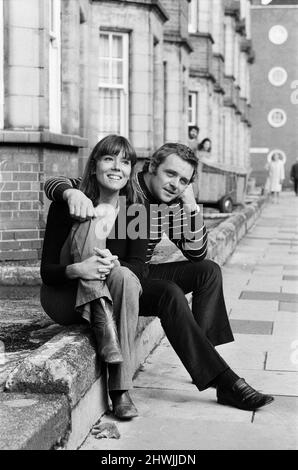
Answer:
(189, 200)
(80, 206)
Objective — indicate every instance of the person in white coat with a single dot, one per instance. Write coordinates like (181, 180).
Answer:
(275, 177)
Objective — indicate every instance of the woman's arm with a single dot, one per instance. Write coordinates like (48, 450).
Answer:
(58, 227)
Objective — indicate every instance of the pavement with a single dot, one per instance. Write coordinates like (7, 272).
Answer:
(261, 291)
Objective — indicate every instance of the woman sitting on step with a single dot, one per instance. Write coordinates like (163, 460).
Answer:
(83, 281)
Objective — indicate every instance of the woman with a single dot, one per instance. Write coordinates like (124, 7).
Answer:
(275, 177)
(75, 265)
(205, 145)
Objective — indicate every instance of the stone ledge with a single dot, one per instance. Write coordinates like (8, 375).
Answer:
(224, 238)
(32, 421)
(68, 365)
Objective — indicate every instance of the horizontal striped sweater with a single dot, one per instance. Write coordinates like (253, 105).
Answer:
(186, 231)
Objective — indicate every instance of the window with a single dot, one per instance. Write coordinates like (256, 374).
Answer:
(277, 118)
(192, 108)
(193, 16)
(277, 76)
(55, 66)
(113, 84)
(278, 34)
(1, 66)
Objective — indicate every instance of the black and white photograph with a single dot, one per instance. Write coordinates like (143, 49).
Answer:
(148, 229)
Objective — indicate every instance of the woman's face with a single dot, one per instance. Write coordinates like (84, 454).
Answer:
(207, 145)
(113, 172)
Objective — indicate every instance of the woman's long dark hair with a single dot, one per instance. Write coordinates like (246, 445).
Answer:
(109, 145)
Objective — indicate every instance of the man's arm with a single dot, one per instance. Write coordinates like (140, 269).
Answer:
(60, 189)
(193, 241)
(55, 187)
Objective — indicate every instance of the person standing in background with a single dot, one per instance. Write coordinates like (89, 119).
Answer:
(193, 135)
(294, 176)
(275, 177)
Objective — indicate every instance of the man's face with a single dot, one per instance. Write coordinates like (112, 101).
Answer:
(193, 133)
(170, 179)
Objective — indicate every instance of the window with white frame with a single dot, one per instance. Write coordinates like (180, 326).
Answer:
(193, 16)
(1, 66)
(113, 83)
(55, 66)
(192, 108)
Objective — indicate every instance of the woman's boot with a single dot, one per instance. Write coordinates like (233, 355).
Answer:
(105, 330)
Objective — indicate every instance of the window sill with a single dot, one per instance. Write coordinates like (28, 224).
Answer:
(42, 138)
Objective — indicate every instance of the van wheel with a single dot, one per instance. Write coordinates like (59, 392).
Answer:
(226, 205)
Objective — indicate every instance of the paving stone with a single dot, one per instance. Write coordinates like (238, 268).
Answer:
(268, 267)
(290, 287)
(283, 353)
(286, 327)
(282, 412)
(285, 243)
(250, 310)
(286, 316)
(288, 307)
(188, 434)
(271, 381)
(252, 327)
(260, 295)
(290, 278)
(290, 267)
(270, 285)
(163, 369)
(194, 405)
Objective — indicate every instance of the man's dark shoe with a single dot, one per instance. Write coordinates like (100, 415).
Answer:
(243, 396)
(123, 406)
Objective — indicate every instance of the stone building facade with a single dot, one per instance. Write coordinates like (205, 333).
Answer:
(219, 77)
(274, 85)
(72, 71)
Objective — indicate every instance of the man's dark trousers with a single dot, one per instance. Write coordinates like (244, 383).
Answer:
(193, 334)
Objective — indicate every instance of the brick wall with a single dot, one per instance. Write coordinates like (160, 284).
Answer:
(23, 206)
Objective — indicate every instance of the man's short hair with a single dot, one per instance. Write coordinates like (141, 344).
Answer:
(184, 152)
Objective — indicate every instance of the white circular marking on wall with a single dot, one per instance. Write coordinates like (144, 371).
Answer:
(278, 34)
(277, 76)
(281, 155)
(277, 117)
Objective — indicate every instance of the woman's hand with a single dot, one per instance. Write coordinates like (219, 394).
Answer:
(104, 253)
(91, 269)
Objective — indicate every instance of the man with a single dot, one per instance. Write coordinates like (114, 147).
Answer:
(193, 136)
(166, 181)
(294, 176)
